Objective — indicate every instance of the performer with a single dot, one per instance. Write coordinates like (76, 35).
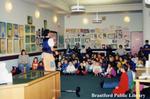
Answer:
(48, 50)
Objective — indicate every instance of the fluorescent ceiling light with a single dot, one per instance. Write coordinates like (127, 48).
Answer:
(77, 8)
(97, 19)
(147, 1)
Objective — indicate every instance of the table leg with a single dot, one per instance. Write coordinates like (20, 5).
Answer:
(137, 90)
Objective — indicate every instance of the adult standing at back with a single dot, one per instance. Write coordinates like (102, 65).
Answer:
(121, 51)
(146, 48)
(147, 45)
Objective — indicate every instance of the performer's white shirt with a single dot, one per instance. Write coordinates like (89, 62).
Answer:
(51, 42)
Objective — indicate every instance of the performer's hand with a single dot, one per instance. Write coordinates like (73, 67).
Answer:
(56, 52)
(117, 87)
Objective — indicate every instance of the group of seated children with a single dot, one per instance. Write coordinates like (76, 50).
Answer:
(97, 64)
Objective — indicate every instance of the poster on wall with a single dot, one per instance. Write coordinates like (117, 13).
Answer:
(2, 29)
(16, 46)
(61, 41)
(28, 47)
(9, 30)
(33, 29)
(104, 35)
(2, 45)
(27, 29)
(29, 20)
(119, 34)
(27, 39)
(21, 31)
(21, 44)
(32, 38)
(33, 47)
(45, 24)
(127, 39)
(15, 31)
(9, 46)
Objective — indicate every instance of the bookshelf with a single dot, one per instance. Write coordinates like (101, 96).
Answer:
(30, 38)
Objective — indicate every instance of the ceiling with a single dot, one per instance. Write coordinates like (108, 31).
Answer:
(63, 6)
(101, 2)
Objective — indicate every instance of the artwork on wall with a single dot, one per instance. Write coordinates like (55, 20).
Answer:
(27, 39)
(111, 36)
(114, 46)
(33, 29)
(38, 40)
(29, 20)
(97, 38)
(33, 47)
(2, 46)
(32, 38)
(16, 46)
(28, 47)
(21, 31)
(15, 31)
(103, 46)
(119, 34)
(104, 35)
(61, 41)
(9, 46)
(45, 24)
(21, 44)
(27, 28)
(2, 29)
(9, 30)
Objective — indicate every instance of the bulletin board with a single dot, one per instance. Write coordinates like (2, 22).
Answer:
(98, 38)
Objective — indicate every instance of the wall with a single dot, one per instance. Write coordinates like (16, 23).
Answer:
(19, 15)
(146, 19)
(115, 19)
(112, 19)
(20, 12)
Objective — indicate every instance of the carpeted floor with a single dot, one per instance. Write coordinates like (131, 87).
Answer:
(90, 87)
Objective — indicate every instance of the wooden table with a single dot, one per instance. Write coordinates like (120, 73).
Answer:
(33, 86)
(138, 81)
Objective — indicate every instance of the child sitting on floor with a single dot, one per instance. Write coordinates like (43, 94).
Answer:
(139, 63)
(70, 69)
(123, 86)
(76, 63)
(59, 65)
(15, 70)
(110, 72)
(40, 66)
(97, 68)
(81, 69)
(64, 66)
